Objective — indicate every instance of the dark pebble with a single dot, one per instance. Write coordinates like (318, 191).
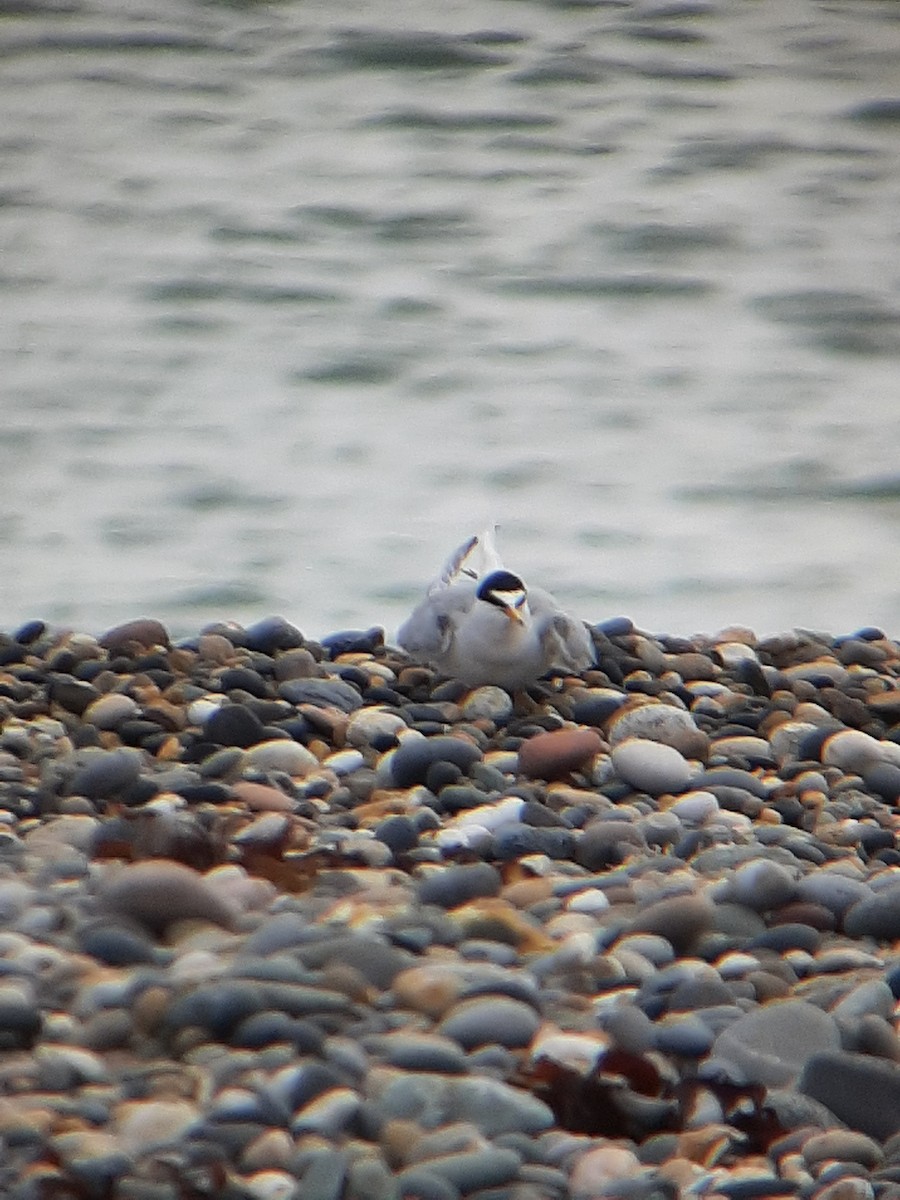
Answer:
(245, 680)
(105, 773)
(606, 844)
(732, 777)
(398, 833)
(324, 1175)
(272, 634)
(72, 694)
(516, 840)
(473, 1170)
(448, 887)
(876, 917)
(377, 961)
(862, 1092)
(233, 725)
(30, 632)
(117, 946)
(326, 693)
(266, 1028)
(493, 1020)
(884, 780)
(790, 936)
(354, 641)
(457, 797)
(614, 627)
(596, 710)
(413, 759)
(20, 1023)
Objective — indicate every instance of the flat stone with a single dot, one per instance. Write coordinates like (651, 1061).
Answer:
(323, 693)
(472, 1170)
(368, 726)
(605, 844)
(432, 1100)
(852, 751)
(489, 702)
(842, 1145)
(20, 1022)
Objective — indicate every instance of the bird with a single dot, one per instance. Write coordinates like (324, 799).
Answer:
(478, 623)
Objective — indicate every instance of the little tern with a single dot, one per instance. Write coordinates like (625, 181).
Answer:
(478, 623)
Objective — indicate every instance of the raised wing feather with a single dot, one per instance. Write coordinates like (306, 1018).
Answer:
(476, 557)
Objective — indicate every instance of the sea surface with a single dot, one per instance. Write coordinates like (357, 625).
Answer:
(295, 296)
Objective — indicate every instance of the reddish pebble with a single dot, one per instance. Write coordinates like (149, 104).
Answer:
(261, 797)
(555, 755)
(144, 632)
(805, 913)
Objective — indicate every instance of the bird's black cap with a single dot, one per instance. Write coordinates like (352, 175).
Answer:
(499, 581)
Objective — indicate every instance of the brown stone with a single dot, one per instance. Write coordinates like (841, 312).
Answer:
(555, 755)
(262, 797)
(143, 634)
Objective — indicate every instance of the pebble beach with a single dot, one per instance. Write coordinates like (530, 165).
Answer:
(284, 919)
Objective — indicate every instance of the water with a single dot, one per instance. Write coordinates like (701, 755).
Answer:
(296, 296)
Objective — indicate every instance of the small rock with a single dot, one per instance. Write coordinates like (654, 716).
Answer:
(159, 891)
(651, 766)
(848, 1084)
(135, 636)
(494, 1019)
(773, 1043)
(660, 723)
(557, 754)
(414, 757)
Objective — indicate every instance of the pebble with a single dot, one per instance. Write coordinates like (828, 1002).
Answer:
(651, 766)
(848, 1085)
(299, 917)
(411, 762)
(659, 723)
(772, 1044)
(555, 755)
(495, 1020)
(158, 892)
(281, 754)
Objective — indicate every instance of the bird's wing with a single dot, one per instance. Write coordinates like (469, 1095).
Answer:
(429, 630)
(567, 644)
(476, 557)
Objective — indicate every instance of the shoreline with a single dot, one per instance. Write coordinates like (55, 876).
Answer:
(286, 918)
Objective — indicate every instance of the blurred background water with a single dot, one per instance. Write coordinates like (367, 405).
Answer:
(294, 296)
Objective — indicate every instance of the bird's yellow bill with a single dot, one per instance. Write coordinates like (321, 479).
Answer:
(513, 614)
